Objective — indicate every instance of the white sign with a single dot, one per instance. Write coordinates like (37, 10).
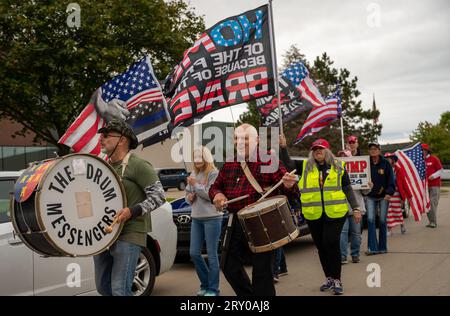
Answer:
(358, 168)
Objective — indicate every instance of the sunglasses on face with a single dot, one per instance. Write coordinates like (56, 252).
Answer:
(109, 135)
(352, 142)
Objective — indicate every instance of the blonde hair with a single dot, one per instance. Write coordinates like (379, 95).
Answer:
(207, 159)
(330, 160)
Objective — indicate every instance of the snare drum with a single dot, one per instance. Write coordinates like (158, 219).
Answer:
(62, 206)
(268, 224)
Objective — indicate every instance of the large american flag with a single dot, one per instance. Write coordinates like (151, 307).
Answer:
(321, 116)
(141, 93)
(298, 74)
(412, 161)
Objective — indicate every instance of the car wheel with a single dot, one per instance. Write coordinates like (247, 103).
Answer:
(182, 186)
(145, 274)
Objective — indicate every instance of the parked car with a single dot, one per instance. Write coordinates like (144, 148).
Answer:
(173, 178)
(181, 211)
(24, 272)
(182, 218)
(446, 172)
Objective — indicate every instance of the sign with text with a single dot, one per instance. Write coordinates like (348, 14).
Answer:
(358, 169)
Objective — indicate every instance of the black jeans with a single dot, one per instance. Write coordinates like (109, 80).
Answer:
(326, 234)
(262, 279)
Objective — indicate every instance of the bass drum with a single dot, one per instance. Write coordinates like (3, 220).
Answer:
(62, 206)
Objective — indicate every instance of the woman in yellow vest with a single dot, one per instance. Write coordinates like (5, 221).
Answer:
(324, 191)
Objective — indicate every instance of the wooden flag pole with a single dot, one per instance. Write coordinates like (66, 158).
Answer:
(275, 66)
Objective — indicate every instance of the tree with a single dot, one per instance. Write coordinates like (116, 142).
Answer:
(251, 116)
(357, 121)
(436, 136)
(48, 69)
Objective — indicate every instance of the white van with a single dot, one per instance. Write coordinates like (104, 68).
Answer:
(24, 272)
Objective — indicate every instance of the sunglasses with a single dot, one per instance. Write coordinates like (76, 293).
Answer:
(352, 142)
(109, 135)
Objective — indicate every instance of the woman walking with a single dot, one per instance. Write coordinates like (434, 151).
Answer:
(206, 222)
(325, 189)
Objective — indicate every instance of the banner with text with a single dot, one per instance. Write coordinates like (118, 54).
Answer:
(230, 63)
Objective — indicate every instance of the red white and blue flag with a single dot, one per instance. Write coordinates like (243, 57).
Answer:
(413, 163)
(230, 63)
(298, 74)
(321, 116)
(298, 94)
(134, 95)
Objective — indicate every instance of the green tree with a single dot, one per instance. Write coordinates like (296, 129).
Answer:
(356, 120)
(437, 136)
(251, 116)
(48, 70)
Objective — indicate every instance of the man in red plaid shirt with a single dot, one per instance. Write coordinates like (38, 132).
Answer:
(232, 183)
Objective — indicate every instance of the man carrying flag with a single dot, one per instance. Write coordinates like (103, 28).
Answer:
(433, 173)
(321, 116)
(134, 95)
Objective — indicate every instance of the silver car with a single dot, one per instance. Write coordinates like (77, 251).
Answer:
(24, 272)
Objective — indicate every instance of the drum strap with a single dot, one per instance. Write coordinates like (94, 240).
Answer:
(251, 178)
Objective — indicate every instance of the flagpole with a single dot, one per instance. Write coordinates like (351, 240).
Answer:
(275, 66)
(342, 133)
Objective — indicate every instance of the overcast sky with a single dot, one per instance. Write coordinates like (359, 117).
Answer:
(399, 50)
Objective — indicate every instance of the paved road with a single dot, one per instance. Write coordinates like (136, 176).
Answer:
(418, 263)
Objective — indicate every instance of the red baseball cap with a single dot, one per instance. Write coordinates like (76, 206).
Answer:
(320, 143)
(352, 139)
(426, 147)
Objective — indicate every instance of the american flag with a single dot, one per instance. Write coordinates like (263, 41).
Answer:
(139, 89)
(298, 74)
(395, 212)
(412, 161)
(321, 116)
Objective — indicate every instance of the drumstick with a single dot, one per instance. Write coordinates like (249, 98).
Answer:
(275, 186)
(109, 229)
(236, 199)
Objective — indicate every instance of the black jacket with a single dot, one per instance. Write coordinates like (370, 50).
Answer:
(382, 177)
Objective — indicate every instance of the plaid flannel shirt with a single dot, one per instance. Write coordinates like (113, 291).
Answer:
(233, 183)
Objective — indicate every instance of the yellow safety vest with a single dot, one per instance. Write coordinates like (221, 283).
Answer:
(334, 198)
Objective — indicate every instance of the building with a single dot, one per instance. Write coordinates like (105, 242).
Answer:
(176, 152)
(17, 152)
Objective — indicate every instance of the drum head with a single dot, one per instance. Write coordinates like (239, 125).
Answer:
(77, 199)
(262, 206)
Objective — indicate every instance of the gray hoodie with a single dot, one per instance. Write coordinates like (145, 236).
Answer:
(202, 206)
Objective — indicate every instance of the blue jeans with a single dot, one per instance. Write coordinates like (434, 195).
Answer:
(209, 230)
(114, 269)
(279, 261)
(355, 241)
(373, 245)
